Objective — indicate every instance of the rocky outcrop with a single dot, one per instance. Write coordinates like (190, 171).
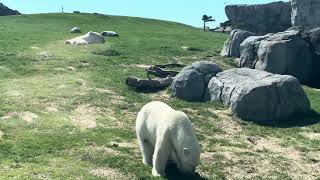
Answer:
(306, 13)
(284, 53)
(261, 18)
(89, 38)
(5, 11)
(231, 46)
(191, 83)
(258, 95)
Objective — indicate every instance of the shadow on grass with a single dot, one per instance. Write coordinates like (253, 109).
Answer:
(301, 120)
(147, 90)
(298, 120)
(172, 173)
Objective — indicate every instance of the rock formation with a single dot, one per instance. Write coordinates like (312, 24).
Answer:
(5, 11)
(260, 18)
(306, 13)
(231, 46)
(281, 53)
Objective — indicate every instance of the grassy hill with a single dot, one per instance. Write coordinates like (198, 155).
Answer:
(65, 111)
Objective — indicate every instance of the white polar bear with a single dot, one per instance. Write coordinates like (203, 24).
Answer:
(165, 134)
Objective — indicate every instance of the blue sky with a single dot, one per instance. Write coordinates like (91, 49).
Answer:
(184, 11)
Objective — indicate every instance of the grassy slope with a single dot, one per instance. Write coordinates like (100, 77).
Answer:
(72, 89)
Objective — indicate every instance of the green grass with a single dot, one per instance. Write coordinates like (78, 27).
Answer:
(51, 93)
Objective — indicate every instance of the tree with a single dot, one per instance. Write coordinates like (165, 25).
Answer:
(225, 24)
(205, 19)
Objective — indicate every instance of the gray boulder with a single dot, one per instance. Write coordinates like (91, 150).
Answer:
(191, 83)
(281, 53)
(75, 30)
(260, 18)
(248, 50)
(109, 34)
(231, 46)
(314, 36)
(5, 11)
(305, 13)
(258, 95)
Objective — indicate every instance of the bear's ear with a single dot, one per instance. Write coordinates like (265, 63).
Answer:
(186, 151)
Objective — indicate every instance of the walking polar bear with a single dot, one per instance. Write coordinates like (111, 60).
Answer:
(165, 134)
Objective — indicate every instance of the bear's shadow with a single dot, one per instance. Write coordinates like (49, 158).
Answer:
(172, 173)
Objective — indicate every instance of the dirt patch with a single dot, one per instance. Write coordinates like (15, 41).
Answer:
(15, 93)
(132, 145)
(59, 69)
(45, 55)
(84, 116)
(115, 98)
(311, 135)
(28, 117)
(227, 121)
(52, 108)
(273, 145)
(102, 150)
(143, 66)
(34, 47)
(111, 120)
(188, 110)
(160, 96)
(8, 115)
(105, 172)
(4, 68)
(71, 68)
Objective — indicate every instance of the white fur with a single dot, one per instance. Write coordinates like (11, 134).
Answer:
(166, 134)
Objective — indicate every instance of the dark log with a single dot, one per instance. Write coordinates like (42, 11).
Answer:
(175, 64)
(149, 84)
(157, 71)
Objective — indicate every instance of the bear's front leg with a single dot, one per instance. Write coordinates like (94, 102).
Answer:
(160, 156)
(146, 149)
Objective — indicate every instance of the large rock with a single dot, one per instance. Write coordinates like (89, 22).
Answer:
(314, 36)
(191, 83)
(89, 38)
(5, 11)
(284, 53)
(306, 13)
(258, 95)
(248, 50)
(231, 46)
(261, 18)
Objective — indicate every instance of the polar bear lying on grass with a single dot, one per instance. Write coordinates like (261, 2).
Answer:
(165, 134)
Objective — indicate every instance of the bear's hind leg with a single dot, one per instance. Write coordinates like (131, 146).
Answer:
(161, 155)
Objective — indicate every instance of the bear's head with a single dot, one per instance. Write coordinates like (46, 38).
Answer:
(190, 159)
